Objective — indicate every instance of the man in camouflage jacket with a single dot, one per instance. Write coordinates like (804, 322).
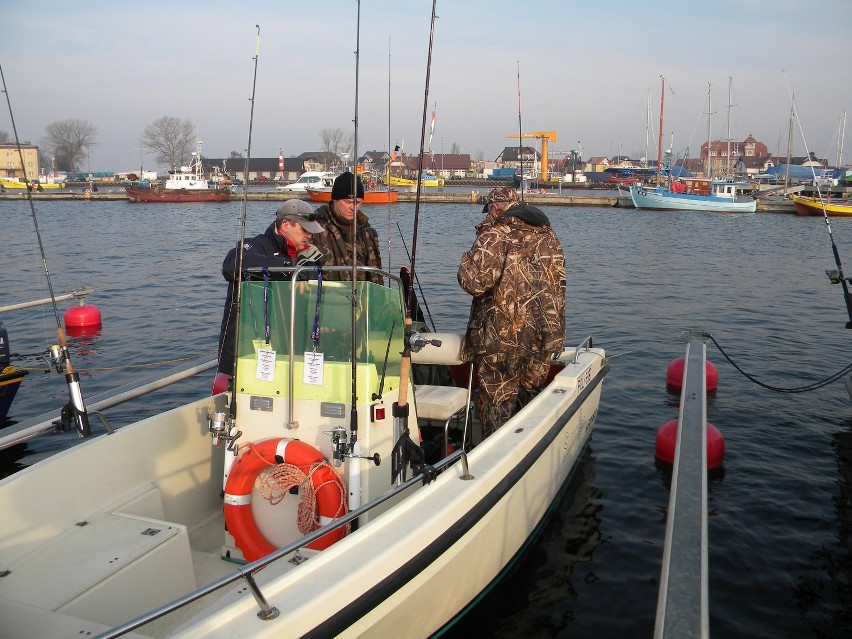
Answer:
(515, 272)
(336, 240)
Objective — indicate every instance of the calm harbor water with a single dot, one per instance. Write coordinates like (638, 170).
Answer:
(780, 525)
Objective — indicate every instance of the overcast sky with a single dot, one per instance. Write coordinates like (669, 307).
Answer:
(588, 70)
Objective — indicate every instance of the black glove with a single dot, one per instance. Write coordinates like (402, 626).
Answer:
(308, 255)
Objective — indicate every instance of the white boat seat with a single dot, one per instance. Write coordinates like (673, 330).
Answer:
(439, 402)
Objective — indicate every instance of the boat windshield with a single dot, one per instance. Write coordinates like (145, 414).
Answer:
(290, 315)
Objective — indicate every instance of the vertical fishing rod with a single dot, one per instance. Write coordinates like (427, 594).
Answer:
(405, 449)
(835, 277)
(387, 186)
(520, 132)
(76, 407)
(353, 411)
(238, 275)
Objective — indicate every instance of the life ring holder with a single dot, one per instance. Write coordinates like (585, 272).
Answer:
(372, 185)
(239, 520)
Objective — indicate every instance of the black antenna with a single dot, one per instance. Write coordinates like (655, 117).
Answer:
(76, 406)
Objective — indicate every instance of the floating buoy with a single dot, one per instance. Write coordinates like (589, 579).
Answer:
(666, 440)
(220, 383)
(82, 321)
(674, 375)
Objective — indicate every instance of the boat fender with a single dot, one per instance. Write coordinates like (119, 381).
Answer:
(328, 486)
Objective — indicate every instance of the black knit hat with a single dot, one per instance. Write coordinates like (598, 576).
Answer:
(342, 189)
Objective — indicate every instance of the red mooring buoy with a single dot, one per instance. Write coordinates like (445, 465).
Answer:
(666, 440)
(82, 321)
(674, 375)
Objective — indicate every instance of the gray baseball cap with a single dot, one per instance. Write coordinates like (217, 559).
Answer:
(299, 211)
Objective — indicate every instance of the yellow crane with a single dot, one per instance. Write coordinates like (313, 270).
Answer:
(545, 137)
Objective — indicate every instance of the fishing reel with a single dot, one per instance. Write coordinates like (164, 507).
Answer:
(835, 278)
(58, 356)
(417, 341)
(222, 428)
(341, 450)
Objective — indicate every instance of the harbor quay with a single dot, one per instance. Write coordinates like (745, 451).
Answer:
(431, 196)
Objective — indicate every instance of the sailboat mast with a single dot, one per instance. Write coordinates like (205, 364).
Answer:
(709, 167)
(728, 166)
(660, 140)
(647, 126)
(840, 143)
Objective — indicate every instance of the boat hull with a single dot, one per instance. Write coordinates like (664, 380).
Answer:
(10, 381)
(813, 206)
(664, 200)
(407, 573)
(400, 181)
(370, 197)
(158, 194)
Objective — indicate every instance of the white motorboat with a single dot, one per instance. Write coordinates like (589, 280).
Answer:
(300, 504)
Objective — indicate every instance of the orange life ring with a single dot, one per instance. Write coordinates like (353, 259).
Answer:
(372, 185)
(260, 455)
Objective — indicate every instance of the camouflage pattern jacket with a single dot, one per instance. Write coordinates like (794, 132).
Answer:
(515, 272)
(337, 247)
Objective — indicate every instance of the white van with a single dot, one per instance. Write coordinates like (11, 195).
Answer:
(309, 179)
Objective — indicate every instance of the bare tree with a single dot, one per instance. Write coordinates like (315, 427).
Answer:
(68, 141)
(172, 140)
(454, 149)
(236, 155)
(5, 138)
(336, 141)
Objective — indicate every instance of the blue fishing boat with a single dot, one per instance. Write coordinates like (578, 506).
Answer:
(695, 194)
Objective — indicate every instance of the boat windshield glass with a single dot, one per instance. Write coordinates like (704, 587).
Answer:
(378, 341)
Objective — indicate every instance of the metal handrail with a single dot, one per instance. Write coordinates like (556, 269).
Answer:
(248, 571)
(81, 295)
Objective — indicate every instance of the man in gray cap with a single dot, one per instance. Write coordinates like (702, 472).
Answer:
(284, 243)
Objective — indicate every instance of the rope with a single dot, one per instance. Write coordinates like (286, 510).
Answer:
(278, 481)
(801, 389)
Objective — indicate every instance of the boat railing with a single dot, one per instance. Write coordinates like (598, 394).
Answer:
(45, 423)
(682, 603)
(79, 295)
(247, 572)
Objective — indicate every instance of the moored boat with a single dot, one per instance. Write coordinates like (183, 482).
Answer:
(376, 196)
(426, 179)
(417, 540)
(815, 206)
(187, 184)
(695, 194)
(14, 183)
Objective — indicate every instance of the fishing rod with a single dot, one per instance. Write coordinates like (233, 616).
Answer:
(405, 449)
(353, 410)
(520, 133)
(239, 266)
(834, 276)
(417, 280)
(76, 407)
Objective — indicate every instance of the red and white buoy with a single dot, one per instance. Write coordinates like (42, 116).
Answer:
(83, 320)
(666, 441)
(674, 375)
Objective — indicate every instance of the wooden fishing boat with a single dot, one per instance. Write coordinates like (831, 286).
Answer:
(330, 523)
(815, 206)
(377, 196)
(187, 184)
(694, 194)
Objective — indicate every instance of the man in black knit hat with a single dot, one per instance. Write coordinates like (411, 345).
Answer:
(335, 241)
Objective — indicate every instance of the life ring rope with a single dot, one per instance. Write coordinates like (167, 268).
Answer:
(323, 494)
